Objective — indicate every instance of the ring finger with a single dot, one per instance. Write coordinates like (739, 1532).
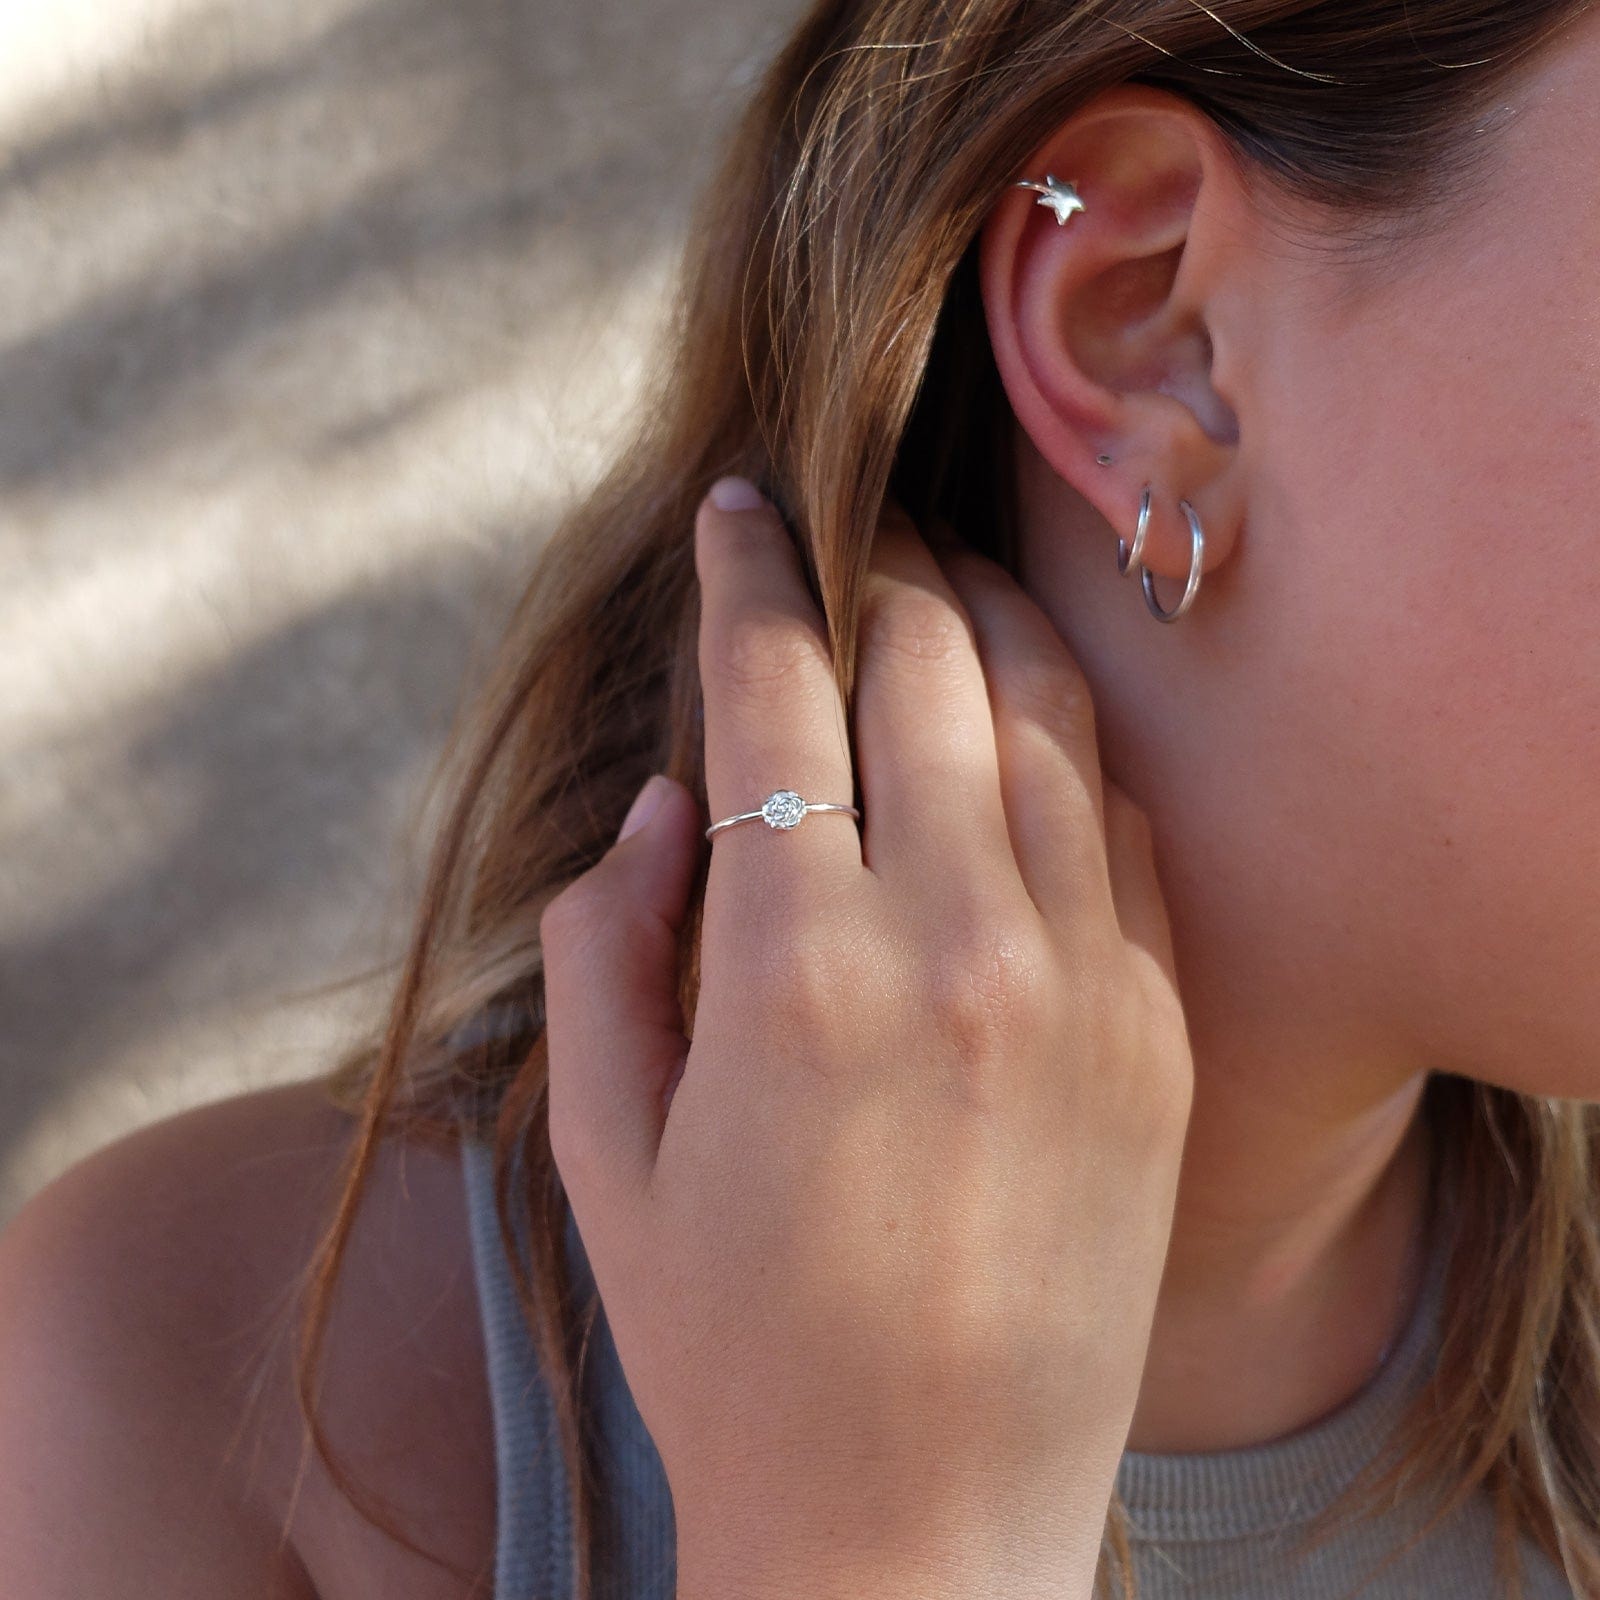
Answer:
(773, 716)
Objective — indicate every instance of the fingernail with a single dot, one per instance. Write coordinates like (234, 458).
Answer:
(645, 805)
(736, 494)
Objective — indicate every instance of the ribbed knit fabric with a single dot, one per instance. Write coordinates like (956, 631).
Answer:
(1210, 1526)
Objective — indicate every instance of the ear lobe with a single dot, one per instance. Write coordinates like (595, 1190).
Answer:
(1099, 326)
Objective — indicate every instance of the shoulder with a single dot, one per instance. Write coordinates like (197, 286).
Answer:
(149, 1306)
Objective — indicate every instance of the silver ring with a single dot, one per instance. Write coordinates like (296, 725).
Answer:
(783, 808)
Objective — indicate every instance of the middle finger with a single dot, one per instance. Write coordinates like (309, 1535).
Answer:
(924, 733)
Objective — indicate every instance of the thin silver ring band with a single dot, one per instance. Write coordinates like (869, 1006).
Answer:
(784, 809)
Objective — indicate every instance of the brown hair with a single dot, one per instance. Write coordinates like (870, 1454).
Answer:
(828, 341)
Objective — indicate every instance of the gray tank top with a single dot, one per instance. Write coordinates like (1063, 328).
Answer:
(1208, 1526)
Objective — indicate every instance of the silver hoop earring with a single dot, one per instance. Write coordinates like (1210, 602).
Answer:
(1128, 559)
(1192, 588)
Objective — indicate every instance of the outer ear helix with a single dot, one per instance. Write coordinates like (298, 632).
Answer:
(1064, 199)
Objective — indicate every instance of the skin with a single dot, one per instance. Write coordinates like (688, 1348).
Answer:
(1326, 875)
(150, 1442)
(1368, 751)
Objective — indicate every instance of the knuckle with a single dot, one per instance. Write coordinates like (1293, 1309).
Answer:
(987, 987)
(805, 963)
(899, 620)
(812, 976)
(803, 990)
(758, 651)
(1050, 691)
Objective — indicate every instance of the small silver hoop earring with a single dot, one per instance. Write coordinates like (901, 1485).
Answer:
(1128, 558)
(1192, 588)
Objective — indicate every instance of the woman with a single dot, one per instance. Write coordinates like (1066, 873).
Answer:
(955, 1255)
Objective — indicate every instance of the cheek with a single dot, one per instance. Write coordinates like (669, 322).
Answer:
(1438, 596)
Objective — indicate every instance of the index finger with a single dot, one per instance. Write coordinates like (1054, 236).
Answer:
(773, 715)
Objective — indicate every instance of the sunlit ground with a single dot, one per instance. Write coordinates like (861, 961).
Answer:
(312, 318)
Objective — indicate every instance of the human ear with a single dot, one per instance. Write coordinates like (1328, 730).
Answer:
(1121, 331)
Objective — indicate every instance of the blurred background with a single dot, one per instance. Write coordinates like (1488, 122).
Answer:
(313, 319)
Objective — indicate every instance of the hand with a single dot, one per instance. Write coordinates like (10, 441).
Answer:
(881, 1268)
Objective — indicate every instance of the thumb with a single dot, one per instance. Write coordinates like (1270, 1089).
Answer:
(613, 1024)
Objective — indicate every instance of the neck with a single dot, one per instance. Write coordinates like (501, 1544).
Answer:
(1295, 1253)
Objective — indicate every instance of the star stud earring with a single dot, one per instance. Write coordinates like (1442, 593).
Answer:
(1062, 198)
